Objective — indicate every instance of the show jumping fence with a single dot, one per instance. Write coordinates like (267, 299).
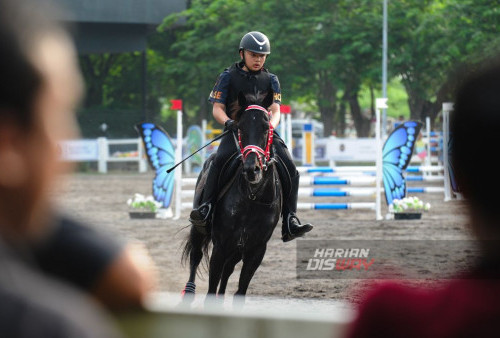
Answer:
(360, 176)
(361, 180)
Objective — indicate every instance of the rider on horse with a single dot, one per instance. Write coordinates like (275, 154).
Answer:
(250, 77)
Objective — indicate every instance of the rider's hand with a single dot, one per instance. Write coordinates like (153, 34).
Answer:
(231, 125)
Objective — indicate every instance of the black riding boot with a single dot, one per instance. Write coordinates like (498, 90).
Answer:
(200, 217)
(291, 227)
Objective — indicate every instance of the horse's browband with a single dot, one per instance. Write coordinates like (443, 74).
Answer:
(255, 106)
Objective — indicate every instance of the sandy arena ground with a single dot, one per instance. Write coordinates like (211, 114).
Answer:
(101, 200)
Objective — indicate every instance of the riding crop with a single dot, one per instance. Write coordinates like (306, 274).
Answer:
(206, 145)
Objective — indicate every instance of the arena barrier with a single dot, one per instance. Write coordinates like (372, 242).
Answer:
(305, 192)
(433, 145)
(451, 193)
(361, 189)
(360, 176)
(262, 317)
(366, 169)
(99, 150)
(342, 192)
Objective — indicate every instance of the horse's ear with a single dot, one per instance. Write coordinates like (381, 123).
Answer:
(242, 100)
(268, 100)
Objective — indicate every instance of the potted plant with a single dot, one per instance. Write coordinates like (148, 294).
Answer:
(143, 206)
(408, 208)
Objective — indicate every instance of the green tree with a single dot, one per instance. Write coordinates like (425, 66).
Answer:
(326, 53)
(334, 47)
(432, 42)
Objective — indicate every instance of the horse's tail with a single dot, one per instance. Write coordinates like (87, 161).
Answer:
(196, 243)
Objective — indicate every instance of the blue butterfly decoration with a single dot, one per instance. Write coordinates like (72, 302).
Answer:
(396, 155)
(161, 156)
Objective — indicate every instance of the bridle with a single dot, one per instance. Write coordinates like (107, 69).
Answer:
(264, 156)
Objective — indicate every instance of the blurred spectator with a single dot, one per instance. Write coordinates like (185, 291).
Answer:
(39, 88)
(467, 306)
(119, 276)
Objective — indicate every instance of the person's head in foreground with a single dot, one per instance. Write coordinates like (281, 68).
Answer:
(467, 306)
(474, 131)
(39, 89)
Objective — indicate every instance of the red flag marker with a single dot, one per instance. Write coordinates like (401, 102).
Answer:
(176, 104)
(285, 109)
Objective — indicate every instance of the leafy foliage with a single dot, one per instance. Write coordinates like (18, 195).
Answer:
(326, 53)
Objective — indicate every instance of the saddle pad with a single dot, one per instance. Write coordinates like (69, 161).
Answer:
(226, 177)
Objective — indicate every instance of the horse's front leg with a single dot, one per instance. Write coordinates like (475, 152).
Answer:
(251, 261)
(227, 271)
(215, 270)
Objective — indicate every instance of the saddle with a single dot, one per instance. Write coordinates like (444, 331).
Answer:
(230, 171)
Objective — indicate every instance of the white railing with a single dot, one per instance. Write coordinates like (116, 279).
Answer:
(98, 150)
(259, 317)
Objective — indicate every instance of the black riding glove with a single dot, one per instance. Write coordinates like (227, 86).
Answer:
(231, 125)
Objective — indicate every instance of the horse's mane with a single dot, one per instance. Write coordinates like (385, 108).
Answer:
(251, 99)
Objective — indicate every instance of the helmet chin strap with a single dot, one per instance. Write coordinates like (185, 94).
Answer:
(245, 64)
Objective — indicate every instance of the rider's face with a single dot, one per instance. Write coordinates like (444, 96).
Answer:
(253, 61)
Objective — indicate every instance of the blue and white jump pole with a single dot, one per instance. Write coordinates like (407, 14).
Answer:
(354, 175)
(380, 103)
(449, 194)
(365, 169)
(343, 192)
(178, 172)
(286, 125)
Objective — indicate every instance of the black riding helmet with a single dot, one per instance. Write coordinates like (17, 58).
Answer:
(256, 42)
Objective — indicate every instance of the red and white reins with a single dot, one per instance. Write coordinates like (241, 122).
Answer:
(261, 153)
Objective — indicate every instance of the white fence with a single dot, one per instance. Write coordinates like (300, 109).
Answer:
(98, 150)
(260, 317)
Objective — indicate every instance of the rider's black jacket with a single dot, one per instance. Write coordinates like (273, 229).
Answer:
(234, 79)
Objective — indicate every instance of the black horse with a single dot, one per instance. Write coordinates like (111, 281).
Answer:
(247, 210)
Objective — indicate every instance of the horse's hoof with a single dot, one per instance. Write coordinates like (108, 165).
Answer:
(238, 302)
(214, 301)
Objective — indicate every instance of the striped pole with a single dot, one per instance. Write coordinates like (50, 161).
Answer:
(428, 145)
(447, 109)
(439, 178)
(308, 144)
(366, 169)
(339, 180)
(178, 172)
(320, 180)
(203, 139)
(335, 206)
(344, 192)
(380, 103)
